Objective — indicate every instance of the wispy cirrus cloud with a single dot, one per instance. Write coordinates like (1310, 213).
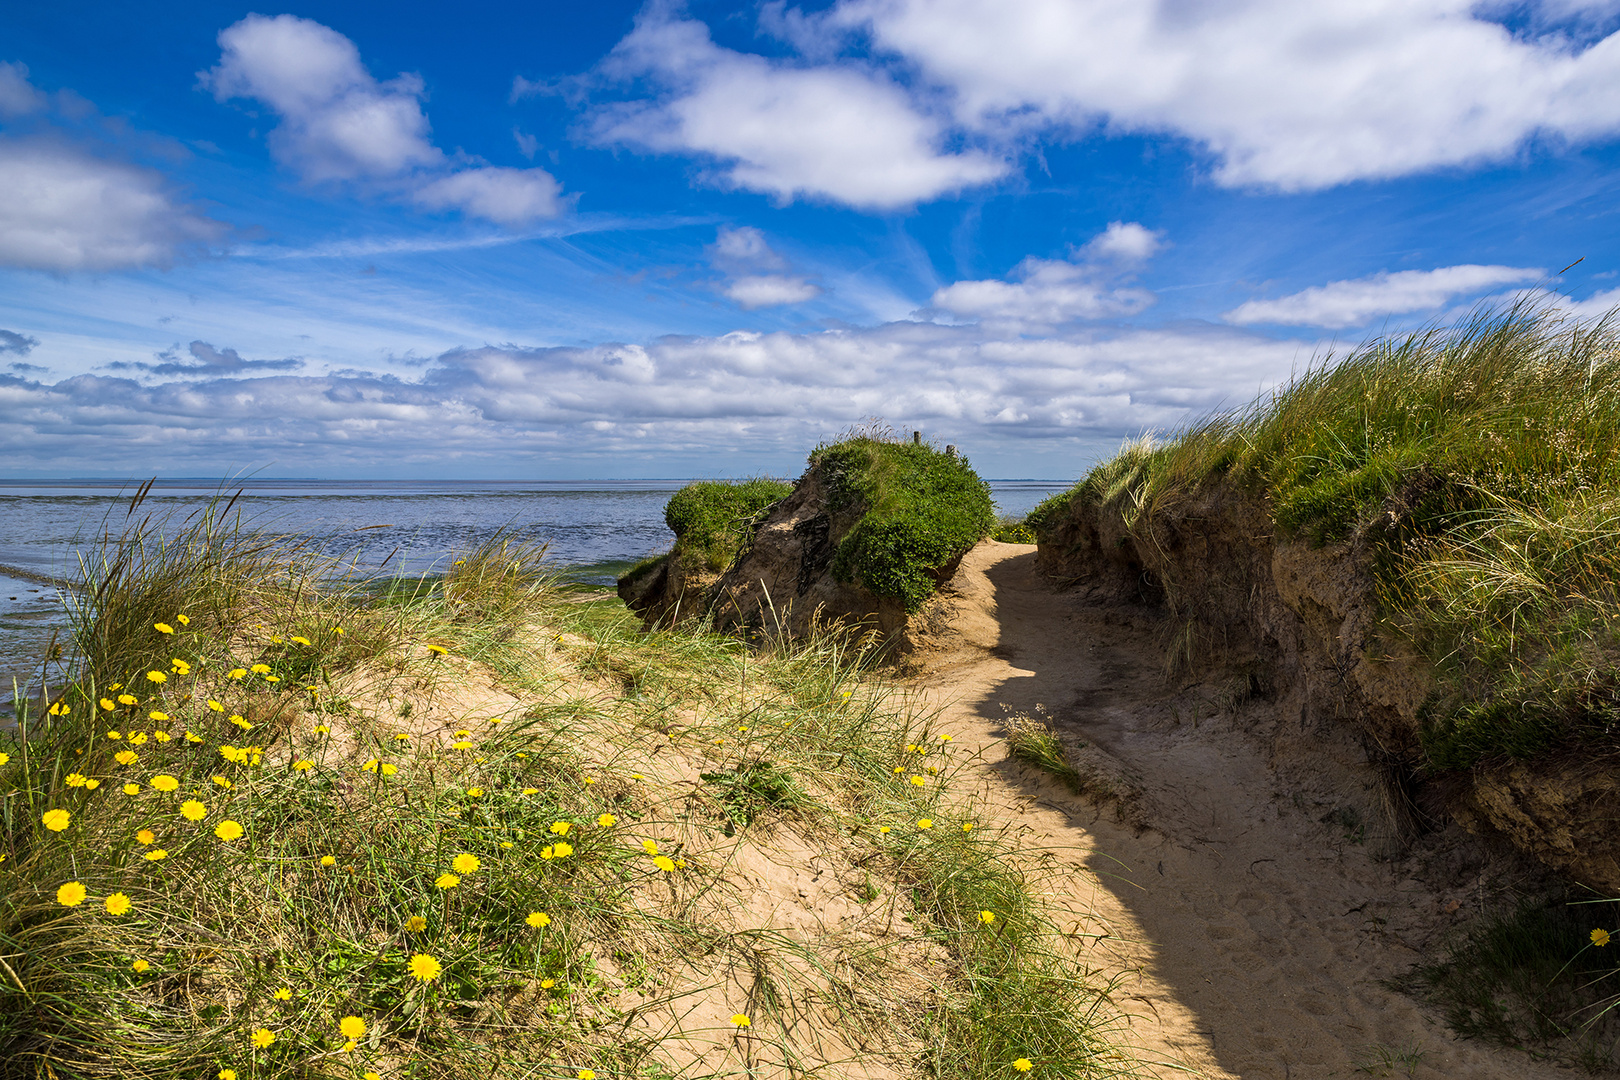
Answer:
(1340, 304)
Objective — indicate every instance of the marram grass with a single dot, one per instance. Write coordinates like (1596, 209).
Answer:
(284, 822)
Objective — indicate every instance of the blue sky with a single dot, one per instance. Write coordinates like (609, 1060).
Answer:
(565, 240)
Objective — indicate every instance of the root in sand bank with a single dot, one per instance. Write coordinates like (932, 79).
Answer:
(1252, 902)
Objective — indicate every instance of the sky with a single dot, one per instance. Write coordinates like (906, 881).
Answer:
(561, 241)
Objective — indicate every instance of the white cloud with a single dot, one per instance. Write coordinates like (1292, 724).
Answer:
(1285, 94)
(758, 274)
(67, 209)
(1048, 292)
(840, 132)
(18, 97)
(770, 290)
(338, 123)
(1339, 304)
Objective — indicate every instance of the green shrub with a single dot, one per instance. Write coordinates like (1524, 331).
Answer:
(1480, 465)
(710, 517)
(1013, 530)
(921, 509)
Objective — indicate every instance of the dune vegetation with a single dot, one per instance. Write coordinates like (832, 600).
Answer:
(280, 819)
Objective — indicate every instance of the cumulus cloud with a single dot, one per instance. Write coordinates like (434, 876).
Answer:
(18, 96)
(1283, 94)
(209, 362)
(1339, 304)
(1048, 292)
(774, 392)
(758, 275)
(340, 124)
(838, 132)
(13, 342)
(68, 208)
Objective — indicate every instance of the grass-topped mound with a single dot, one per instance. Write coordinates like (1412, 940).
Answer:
(920, 510)
(711, 518)
(277, 821)
(1479, 469)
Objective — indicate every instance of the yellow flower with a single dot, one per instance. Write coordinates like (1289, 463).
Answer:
(650, 847)
(740, 1020)
(322, 729)
(925, 823)
(227, 1074)
(538, 919)
(664, 863)
(531, 791)
(165, 782)
(161, 736)
(4, 758)
(106, 703)
(304, 765)
(242, 723)
(946, 738)
(1023, 1064)
(260, 669)
(416, 924)
(118, 904)
(74, 779)
(262, 1038)
(562, 849)
(193, 738)
(967, 826)
(547, 984)
(560, 828)
(163, 628)
(588, 780)
(987, 917)
(272, 678)
(56, 820)
(132, 789)
(424, 968)
(919, 781)
(1600, 938)
(465, 863)
(883, 829)
(607, 821)
(228, 830)
(236, 673)
(368, 1075)
(328, 860)
(585, 1074)
(438, 650)
(156, 855)
(59, 708)
(126, 757)
(141, 965)
(284, 994)
(475, 792)
(461, 744)
(388, 769)
(180, 667)
(91, 785)
(126, 699)
(348, 1046)
(214, 706)
(370, 765)
(156, 676)
(145, 837)
(71, 894)
(224, 782)
(296, 640)
(351, 1027)
(507, 845)
(401, 736)
(446, 881)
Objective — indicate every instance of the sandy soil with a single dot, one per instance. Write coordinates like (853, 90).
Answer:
(1249, 937)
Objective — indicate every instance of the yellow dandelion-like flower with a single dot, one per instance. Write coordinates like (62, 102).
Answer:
(4, 758)
(401, 736)
(547, 852)
(296, 640)
(224, 782)
(368, 1075)
(987, 917)
(227, 1074)
(883, 828)
(163, 628)
(388, 769)
(157, 677)
(59, 708)
(183, 620)
(946, 738)
(1600, 938)
(465, 863)
(145, 837)
(547, 984)
(126, 757)
(967, 826)
(438, 650)
(446, 881)
(919, 781)
(165, 782)
(507, 845)
(328, 860)
(424, 968)
(560, 828)
(1023, 1064)
(461, 744)
(475, 792)
(180, 666)
(462, 733)
(563, 849)
(214, 706)
(664, 863)
(228, 830)
(370, 765)
(740, 1020)
(156, 855)
(140, 966)
(585, 1074)
(262, 1038)
(242, 722)
(538, 919)
(588, 780)
(650, 847)
(161, 736)
(272, 678)
(531, 791)
(138, 738)
(260, 669)
(416, 924)
(91, 785)
(127, 699)
(132, 789)
(56, 820)
(74, 779)
(303, 765)
(284, 994)
(322, 729)
(352, 1027)
(236, 673)
(925, 823)
(898, 769)
(190, 737)
(606, 821)
(118, 904)
(71, 894)
(106, 703)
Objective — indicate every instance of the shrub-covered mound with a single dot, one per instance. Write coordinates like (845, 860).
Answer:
(920, 510)
(711, 517)
(1478, 468)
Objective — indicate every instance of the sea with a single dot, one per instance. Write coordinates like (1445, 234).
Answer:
(594, 529)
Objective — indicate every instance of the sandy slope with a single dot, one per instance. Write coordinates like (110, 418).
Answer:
(1251, 938)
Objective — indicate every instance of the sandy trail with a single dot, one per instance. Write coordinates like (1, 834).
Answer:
(1251, 939)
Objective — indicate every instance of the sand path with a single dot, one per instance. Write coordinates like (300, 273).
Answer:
(1249, 938)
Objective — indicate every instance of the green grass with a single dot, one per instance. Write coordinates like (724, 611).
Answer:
(920, 509)
(1013, 530)
(1479, 469)
(1033, 741)
(557, 708)
(1534, 980)
(711, 518)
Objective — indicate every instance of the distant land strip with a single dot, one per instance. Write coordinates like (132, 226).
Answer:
(37, 578)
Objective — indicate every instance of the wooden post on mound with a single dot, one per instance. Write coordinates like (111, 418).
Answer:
(916, 438)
